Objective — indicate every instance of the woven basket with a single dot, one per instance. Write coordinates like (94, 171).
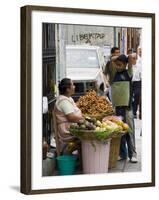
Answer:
(114, 151)
(99, 116)
(88, 134)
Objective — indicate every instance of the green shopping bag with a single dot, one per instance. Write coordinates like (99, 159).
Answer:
(121, 93)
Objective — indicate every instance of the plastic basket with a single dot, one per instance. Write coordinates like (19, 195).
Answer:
(95, 156)
(66, 164)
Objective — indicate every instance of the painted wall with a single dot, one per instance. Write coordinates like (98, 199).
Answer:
(93, 35)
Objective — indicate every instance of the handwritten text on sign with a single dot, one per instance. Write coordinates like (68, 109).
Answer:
(87, 37)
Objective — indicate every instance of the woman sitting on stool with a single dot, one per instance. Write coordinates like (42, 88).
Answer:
(67, 112)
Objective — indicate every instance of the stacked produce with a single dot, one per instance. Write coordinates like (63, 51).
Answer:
(93, 105)
(116, 120)
(99, 130)
(122, 127)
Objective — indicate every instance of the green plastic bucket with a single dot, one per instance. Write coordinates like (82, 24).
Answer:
(66, 164)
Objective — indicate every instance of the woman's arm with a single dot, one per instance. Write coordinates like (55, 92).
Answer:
(72, 117)
(68, 109)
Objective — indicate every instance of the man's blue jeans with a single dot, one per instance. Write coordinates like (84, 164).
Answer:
(127, 145)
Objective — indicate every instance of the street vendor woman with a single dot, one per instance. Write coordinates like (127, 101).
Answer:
(121, 76)
(67, 112)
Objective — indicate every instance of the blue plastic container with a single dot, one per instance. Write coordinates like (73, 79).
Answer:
(66, 164)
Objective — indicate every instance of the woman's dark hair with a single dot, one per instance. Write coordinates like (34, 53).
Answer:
(64, 84)
(122, 58)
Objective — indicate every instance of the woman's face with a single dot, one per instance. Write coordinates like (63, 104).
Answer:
(71, 90)
(120, 66)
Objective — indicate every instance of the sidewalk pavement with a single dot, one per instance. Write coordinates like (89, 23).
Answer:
(127, 166)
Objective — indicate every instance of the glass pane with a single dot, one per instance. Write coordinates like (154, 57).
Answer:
(81, 58)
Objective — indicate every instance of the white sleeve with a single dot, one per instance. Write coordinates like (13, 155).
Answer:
(66, 107)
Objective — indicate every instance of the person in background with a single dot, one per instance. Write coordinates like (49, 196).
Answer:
(67, 112)
(130, 51)
(122, 101)
(136, 85)
(115, 52)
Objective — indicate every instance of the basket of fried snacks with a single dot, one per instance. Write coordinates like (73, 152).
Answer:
(95, 106)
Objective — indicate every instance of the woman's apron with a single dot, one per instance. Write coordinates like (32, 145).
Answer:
(62, 123)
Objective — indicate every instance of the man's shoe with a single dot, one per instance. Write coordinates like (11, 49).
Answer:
(120, 158)
(133, 160)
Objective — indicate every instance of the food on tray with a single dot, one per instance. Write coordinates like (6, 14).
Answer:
(93, 105)
(108, 123)
(108, 126)
(117, 120)
(97, 129)
(88, 124)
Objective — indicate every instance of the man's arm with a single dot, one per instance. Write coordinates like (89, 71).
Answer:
(131, 62)
(107, 70)
(130, 70)
(110, 69)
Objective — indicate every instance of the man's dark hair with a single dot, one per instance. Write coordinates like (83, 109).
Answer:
(122, 58)
(130, 51)
(114, 49)
(64, 84)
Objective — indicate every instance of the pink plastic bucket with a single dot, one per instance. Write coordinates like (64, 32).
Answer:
(95, 156)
